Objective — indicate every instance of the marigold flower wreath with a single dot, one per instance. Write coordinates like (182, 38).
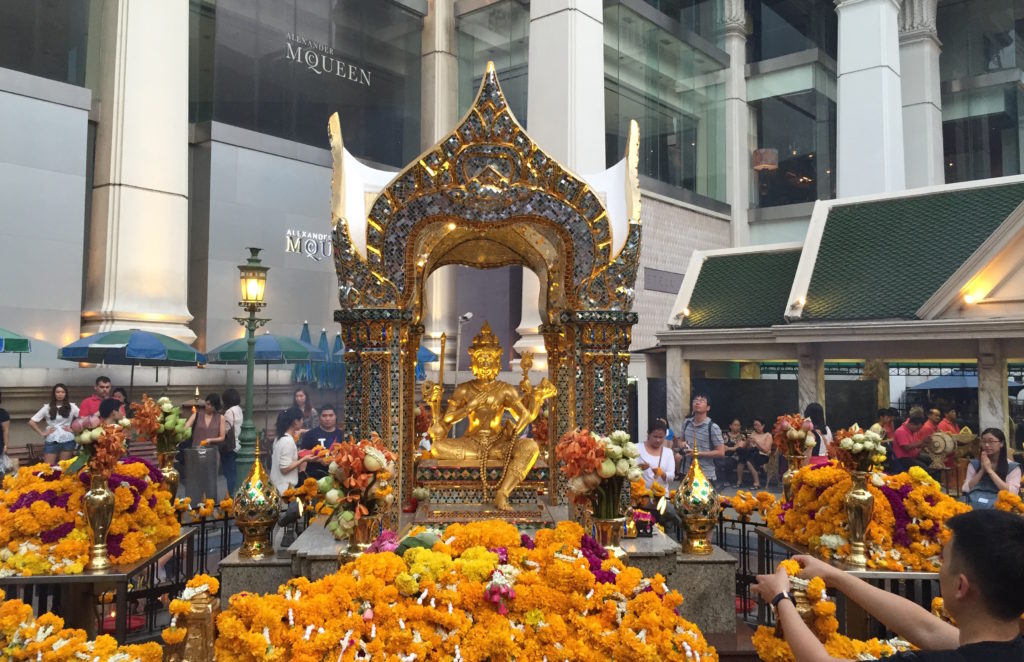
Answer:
(24, 637)
(907, 528)
(477, 591)
(43, 528)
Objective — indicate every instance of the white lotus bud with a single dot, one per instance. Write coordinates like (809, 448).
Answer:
(631, 450)
(622, 467)
(620, 437)
(858, 439)
(612, 452)
(846, 444)
(634, 474)
(857, 448)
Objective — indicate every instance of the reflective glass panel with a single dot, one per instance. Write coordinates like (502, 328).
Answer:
(780, 27)
(47, 38)
(676, 92)
(499, 33)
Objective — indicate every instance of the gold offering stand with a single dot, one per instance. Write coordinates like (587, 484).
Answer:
(916, 586)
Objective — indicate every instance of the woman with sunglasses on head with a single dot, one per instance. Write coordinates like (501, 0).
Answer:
(991, 472)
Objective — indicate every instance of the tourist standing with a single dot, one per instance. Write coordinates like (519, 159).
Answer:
(285, 465)
(56, 417)
(325, 434)
(301, 401)
(233, 416)
(208, 425)
(706, 433)
(818, 454)
(101, 391)
(991, 472)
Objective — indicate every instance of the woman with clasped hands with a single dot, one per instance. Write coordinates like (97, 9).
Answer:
(991, 472)
(982, 585)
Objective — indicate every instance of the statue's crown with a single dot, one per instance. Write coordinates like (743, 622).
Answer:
(485, 341)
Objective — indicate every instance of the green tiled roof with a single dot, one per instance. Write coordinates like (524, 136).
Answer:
(883, 260)
(745, 290)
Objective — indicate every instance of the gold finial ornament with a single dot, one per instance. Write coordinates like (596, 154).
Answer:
(257, 507)
(491, 436)
(697, 505)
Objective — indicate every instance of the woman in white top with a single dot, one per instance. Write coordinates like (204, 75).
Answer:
(656, 460)
(56, 417)
(232, 438)
(285, 465)
(818, 453)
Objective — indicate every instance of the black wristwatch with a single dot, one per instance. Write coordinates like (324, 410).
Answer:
(785, 595)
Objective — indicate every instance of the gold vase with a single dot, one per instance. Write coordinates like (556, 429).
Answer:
(608, 533)
(99, 511)
(171, 476)
(202, 630)
(257, 507)
(366, 530)
(698, 507)
(793, 464)
(860, 505)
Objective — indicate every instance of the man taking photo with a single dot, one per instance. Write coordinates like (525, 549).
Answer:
(982, 584)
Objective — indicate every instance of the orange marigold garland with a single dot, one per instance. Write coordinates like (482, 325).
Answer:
(907, 528)
(481, 592)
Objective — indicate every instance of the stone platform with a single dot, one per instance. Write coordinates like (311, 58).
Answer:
(527, 517)
(452, 483)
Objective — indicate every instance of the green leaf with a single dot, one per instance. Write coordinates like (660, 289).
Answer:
(80, 461)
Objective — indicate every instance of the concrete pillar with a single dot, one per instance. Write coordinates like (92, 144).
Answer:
(137, 269)
(993, 391)
(878, 370)
(637, 369)
(737, 121)
(677, 387)
(922, 98)
(439, 105)
(870, 131)
(565, 110)
(810, 376)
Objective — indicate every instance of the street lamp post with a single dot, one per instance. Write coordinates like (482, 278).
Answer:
(253, 277)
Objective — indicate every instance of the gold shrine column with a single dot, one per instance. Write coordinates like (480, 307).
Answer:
(439, 104)
(565, 113)
(137, 245)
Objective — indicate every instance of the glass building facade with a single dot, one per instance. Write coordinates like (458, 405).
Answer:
(499, 33)
(671, 79)
(46, 38)
(281, 67)
(981, 65)
(791, 93)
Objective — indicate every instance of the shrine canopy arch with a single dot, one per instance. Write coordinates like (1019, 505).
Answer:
(485, 196)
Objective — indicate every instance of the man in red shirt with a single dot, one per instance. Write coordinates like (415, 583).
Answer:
(91, 405)
(905, 442)
(948, 423)
(931, 425)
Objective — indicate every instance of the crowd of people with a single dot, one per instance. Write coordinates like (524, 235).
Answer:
(725, 456)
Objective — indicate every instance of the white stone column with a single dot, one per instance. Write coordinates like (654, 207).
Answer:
(870, 110)
(677, 387)
(565, 110)
(993, 391)
(136, 275)
(810, 376)
(922, 98)
(439, 103)
(638, 370)
(737, 121)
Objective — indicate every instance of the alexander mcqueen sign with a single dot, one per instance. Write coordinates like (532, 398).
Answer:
(314, 245)
(320, 59)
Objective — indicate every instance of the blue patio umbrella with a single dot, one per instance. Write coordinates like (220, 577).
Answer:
(323, 370)
(423, 355)
(303, 372)
(338, 363)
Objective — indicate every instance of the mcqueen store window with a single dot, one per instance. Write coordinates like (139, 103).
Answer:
(281, 67)
(673, 83)
(47, 38)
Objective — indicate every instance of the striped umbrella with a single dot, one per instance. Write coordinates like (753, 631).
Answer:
(131, 347)
(269, 348)
(12, 343)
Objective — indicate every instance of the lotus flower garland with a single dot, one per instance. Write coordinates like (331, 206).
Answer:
(596, 468)
(857, 449)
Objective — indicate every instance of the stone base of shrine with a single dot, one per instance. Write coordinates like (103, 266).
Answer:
(708, 584)
(527, 517)
(239, 575)
(451, 483)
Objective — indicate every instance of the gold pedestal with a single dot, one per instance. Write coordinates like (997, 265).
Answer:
(608, 534)
(698, 531)
(793, 464)
(698, 507)
(860, 505)
(99, 511)
(171, 476)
